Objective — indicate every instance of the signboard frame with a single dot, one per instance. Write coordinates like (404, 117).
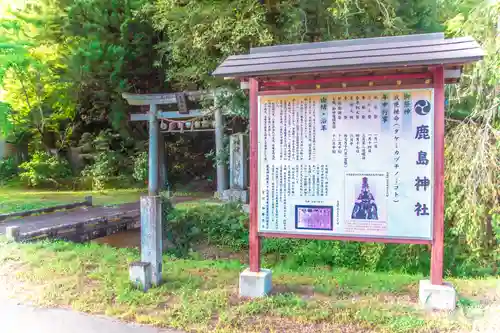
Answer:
(345, 236)
(437, 240)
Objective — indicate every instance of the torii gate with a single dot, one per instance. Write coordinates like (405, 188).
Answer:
(148, 271)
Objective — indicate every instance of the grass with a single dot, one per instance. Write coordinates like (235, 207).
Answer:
(14, 199)
(202, 295)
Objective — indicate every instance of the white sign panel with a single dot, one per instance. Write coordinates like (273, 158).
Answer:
(347, 164)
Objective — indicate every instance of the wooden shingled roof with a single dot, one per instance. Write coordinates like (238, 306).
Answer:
(355, 54)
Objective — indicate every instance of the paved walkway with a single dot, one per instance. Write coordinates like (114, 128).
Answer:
(17, 318)
(65, 217)
(73, 217)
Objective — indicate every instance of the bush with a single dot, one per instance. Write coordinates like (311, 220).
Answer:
(8, 169)
(227, 226)
(222, 225)
(44, 169)
(110, 161)
(105, 167)
(141, 167)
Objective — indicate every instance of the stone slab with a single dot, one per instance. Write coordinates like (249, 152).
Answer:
(437, 297)
(140, 274)
(255, 284)
(13, 233)
(234, 195)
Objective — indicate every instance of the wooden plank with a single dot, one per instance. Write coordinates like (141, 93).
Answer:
(341, 54)
(347, 89)
(347, 42)
(455, 57)
(345, 238)
(254, 240)
(437, 252)
(353, 48)
(346, 79)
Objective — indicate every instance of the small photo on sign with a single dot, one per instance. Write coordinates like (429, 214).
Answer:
(308, 217)
(366, 196)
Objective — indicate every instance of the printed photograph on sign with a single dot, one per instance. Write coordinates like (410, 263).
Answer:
(366, 202)
(308, 217)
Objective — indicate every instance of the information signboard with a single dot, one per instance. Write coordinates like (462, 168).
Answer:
(347, 164)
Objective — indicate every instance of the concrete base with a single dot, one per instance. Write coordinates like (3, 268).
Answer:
(13, 233)
(140, 274)
(233, 195)
(436, 297)
(255, 284)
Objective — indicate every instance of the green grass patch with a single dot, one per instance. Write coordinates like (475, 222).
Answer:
(202, 295)
(15, 200)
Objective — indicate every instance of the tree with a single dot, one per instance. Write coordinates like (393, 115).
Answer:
(472, 151)
(30, 76)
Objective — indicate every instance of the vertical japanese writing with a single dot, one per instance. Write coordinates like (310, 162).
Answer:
(273, 132)
(407, 103)
(323, 120)
(286, 131)
(314, 125)
(422, 133)
(363, 146)
(265, 120)
(385, 108)
(292, 126)
(266, 214)
(286, 192)
(281, 129)
(396, 115)
(345, 151)
(369, 146)
(334, 111)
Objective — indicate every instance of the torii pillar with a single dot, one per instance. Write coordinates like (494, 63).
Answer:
(147, 272)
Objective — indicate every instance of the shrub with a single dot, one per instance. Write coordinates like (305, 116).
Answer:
(110, 161)
(141, 167)
(44, 169)
(105, 167)
(222, 225)
(8, 169)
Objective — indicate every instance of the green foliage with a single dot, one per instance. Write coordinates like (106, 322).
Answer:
(44, 169)
(5, 121)
(298, 21)
(473, 149)
(141, 167)
(211, 30)
(8, 169)
(186, 158)
(226, 226)
(222, 225)
(110, 160)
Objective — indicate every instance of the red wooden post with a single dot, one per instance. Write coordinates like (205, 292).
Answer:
(438, 211)
(254, 239)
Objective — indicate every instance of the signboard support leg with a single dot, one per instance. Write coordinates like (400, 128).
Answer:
(435, 293)
(254, 282)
